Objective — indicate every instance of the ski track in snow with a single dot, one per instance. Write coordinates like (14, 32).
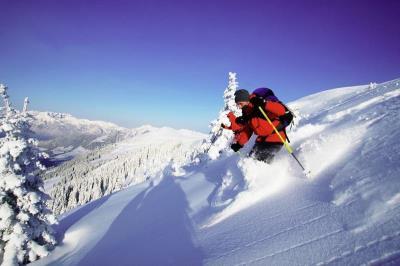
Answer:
(386, 258)
(361, 248)
(292, 247)
(247, 245)
(264, 219)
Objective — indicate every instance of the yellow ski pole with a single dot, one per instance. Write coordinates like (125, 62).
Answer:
(287, 146)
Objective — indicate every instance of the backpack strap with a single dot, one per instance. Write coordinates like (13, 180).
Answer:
(287, 108)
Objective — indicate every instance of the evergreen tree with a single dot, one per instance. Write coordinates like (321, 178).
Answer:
(219, 139)
(3, 93)
(25, 220)
(26, 102)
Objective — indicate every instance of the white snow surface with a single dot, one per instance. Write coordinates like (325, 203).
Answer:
(237, 211)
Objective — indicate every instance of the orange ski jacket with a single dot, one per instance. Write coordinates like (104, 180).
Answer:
(256, 123)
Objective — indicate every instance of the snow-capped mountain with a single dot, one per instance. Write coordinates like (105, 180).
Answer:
(150, 152)
(237, 211)
(63, 136)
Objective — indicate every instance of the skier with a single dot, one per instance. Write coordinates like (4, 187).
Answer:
(268, 143)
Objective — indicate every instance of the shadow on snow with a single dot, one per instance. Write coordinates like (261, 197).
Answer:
(153, 229)
(77, 215)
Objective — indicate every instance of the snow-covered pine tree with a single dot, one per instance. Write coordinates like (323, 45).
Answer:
(26, 102)
(7, 106)
(373, 85)
(2, 108)
(25, 220)
(219, 139)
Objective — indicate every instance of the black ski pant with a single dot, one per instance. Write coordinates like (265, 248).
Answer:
(265, 151)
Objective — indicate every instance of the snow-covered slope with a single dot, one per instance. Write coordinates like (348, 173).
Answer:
(236, 211)
(64, 136)
(133, 160)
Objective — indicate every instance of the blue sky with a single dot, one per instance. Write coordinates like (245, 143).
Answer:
(166, 63)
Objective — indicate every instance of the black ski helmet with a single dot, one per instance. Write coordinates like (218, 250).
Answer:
(242, 96)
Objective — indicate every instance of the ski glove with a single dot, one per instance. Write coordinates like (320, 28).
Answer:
(241, 120)
(236, 147)
(224, 126)
(257, 101)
